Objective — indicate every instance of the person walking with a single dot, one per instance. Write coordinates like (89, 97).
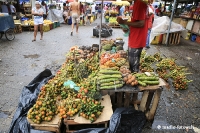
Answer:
(38, 12)
(138, 31)
(88, 14)
(75, 13)
(150, 24)
(44, 7)
(93, 9)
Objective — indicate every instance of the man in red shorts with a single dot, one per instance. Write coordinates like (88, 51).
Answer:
(138, 33)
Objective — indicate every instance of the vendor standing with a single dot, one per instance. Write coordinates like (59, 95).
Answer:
(138, 33)
(38, 12)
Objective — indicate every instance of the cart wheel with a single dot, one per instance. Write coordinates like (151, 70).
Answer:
(10, 35)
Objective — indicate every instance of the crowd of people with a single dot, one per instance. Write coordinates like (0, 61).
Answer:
(7, 7)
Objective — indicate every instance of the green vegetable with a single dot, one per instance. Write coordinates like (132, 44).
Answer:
(151, 82)
(142, 83)
(139, 74)
(112, 86)
(109, 80)
(151, 78)
(110, 76)
(111, 83)
(109, 72)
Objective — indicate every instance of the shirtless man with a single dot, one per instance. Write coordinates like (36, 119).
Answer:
(75, 12)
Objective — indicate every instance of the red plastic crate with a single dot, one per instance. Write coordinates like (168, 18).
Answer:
(198, 39)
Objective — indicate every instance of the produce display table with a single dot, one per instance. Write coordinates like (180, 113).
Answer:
(128, 95)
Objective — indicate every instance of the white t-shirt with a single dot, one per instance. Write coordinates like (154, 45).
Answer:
(93, 8)
(12, 8)
(38, 11)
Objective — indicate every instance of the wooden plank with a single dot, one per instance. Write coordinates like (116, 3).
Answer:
(48, 128)
(143, 101)
(71, 122)
(179, 38)
(164, 39)
(119, 99)
(127, 99)
(154, 105)
(135, 97)
(149, 99)
(112, 97)
(175, 41)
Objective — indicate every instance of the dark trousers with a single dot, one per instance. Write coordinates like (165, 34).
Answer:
(134, 58)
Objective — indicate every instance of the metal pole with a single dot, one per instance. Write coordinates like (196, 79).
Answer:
(170, 23)
(100, 28)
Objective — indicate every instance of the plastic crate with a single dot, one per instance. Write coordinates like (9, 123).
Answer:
(58, 24)
(54, 25)
(188, 36)
(157, 39)
(46, 27)
(198, 39)
(193, 38)
(51, 26)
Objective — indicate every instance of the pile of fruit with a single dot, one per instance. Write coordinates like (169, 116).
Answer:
(90, 109)
(131, 80)
(165, 68)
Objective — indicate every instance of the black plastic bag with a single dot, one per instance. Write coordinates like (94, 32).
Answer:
(123, 120)
(28, 98)
(127, 120)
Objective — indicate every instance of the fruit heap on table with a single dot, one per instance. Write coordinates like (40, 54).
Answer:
(75, 89)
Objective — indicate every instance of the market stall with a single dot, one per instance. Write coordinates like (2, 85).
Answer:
(188, 19)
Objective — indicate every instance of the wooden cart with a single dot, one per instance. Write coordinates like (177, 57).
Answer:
(129, 96)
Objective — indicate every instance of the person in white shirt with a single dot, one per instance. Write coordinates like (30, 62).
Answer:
(38, 12)
(13, 9)
(93, 9)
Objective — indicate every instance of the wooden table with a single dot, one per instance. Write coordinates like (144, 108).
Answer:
(128, 96)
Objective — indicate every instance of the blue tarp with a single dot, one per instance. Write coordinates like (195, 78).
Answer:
(6, 22)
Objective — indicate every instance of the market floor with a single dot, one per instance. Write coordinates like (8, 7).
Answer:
(22, 60)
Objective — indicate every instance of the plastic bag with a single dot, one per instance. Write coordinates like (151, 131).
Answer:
(123, 120)
(92, 130)
(160, 26)
(55, 15)
(28, 98)
(127, 120)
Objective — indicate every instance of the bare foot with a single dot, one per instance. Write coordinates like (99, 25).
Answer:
(41, 38)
